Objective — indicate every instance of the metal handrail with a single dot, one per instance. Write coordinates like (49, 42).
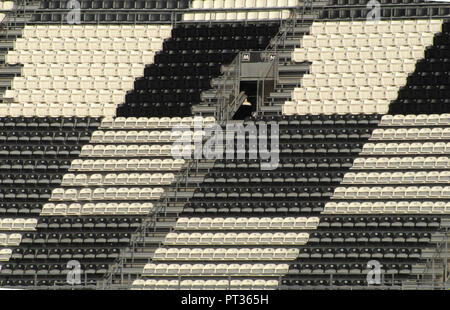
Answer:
(149, 224)
(231, 107)
(430, 265)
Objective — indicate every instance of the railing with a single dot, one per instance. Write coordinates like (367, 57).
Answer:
(149, 224)
(431, 267)
(229, 81)
(268, 80)
(234, 105)
(12, 16)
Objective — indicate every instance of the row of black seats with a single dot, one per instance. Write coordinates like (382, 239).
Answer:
(39, 166)
(89, 17)
(65, 253)
(188, 70)
(364, 2)
(424, 92)
(49, 137)
(28, 194)
(12, 209)
(217, 44)
(357, 268)
(81, 239)
(48, 283)
(285, 191)
(373, 237)
(49, 123)
(225, 30)
(315, 134)
(36, 152)
(199, 206)
(383, 221)
(385, 12)
(52, 269)
(291, 283)
(323, 119)
(153, 88)
(278, 176)
(305, 162)
(420, 106)
(359, 252)
(19, 180)
(118, 4)
(99, 222)
(165, 96)
(159, 109)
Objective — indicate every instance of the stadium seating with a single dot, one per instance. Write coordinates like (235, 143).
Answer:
(70, 70)
(90, 121)
(359, 70)
(189, 60)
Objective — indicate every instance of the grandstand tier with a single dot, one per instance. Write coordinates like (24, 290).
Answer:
(106, 116)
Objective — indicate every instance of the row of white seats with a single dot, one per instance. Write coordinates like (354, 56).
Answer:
(363, 66)
(127, 164)
(411, 133)
(429, 162)
(110, 193)
(386, 192)
(248, 284)
(236, 239)
(5, 255)
(117, 179)
(18, 224)
(156, 122)
(133, 136)
(372, 39)
(76, 96)
(10, 240)
(35, 58)
(345, 93)
(76, 209)
(381, 26)
(389, 207)
(237, 15)
(97, 31)
(133, 150)
(358, 53)
(87, 44)
(415, 120)
(99, 86)
(397, 177)
(405, 148)
(57, 110)
(215, 269)
(232, 4)
(396, 79)
(72, 72)
(230, 223)
(328, 107)
(225, 254)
